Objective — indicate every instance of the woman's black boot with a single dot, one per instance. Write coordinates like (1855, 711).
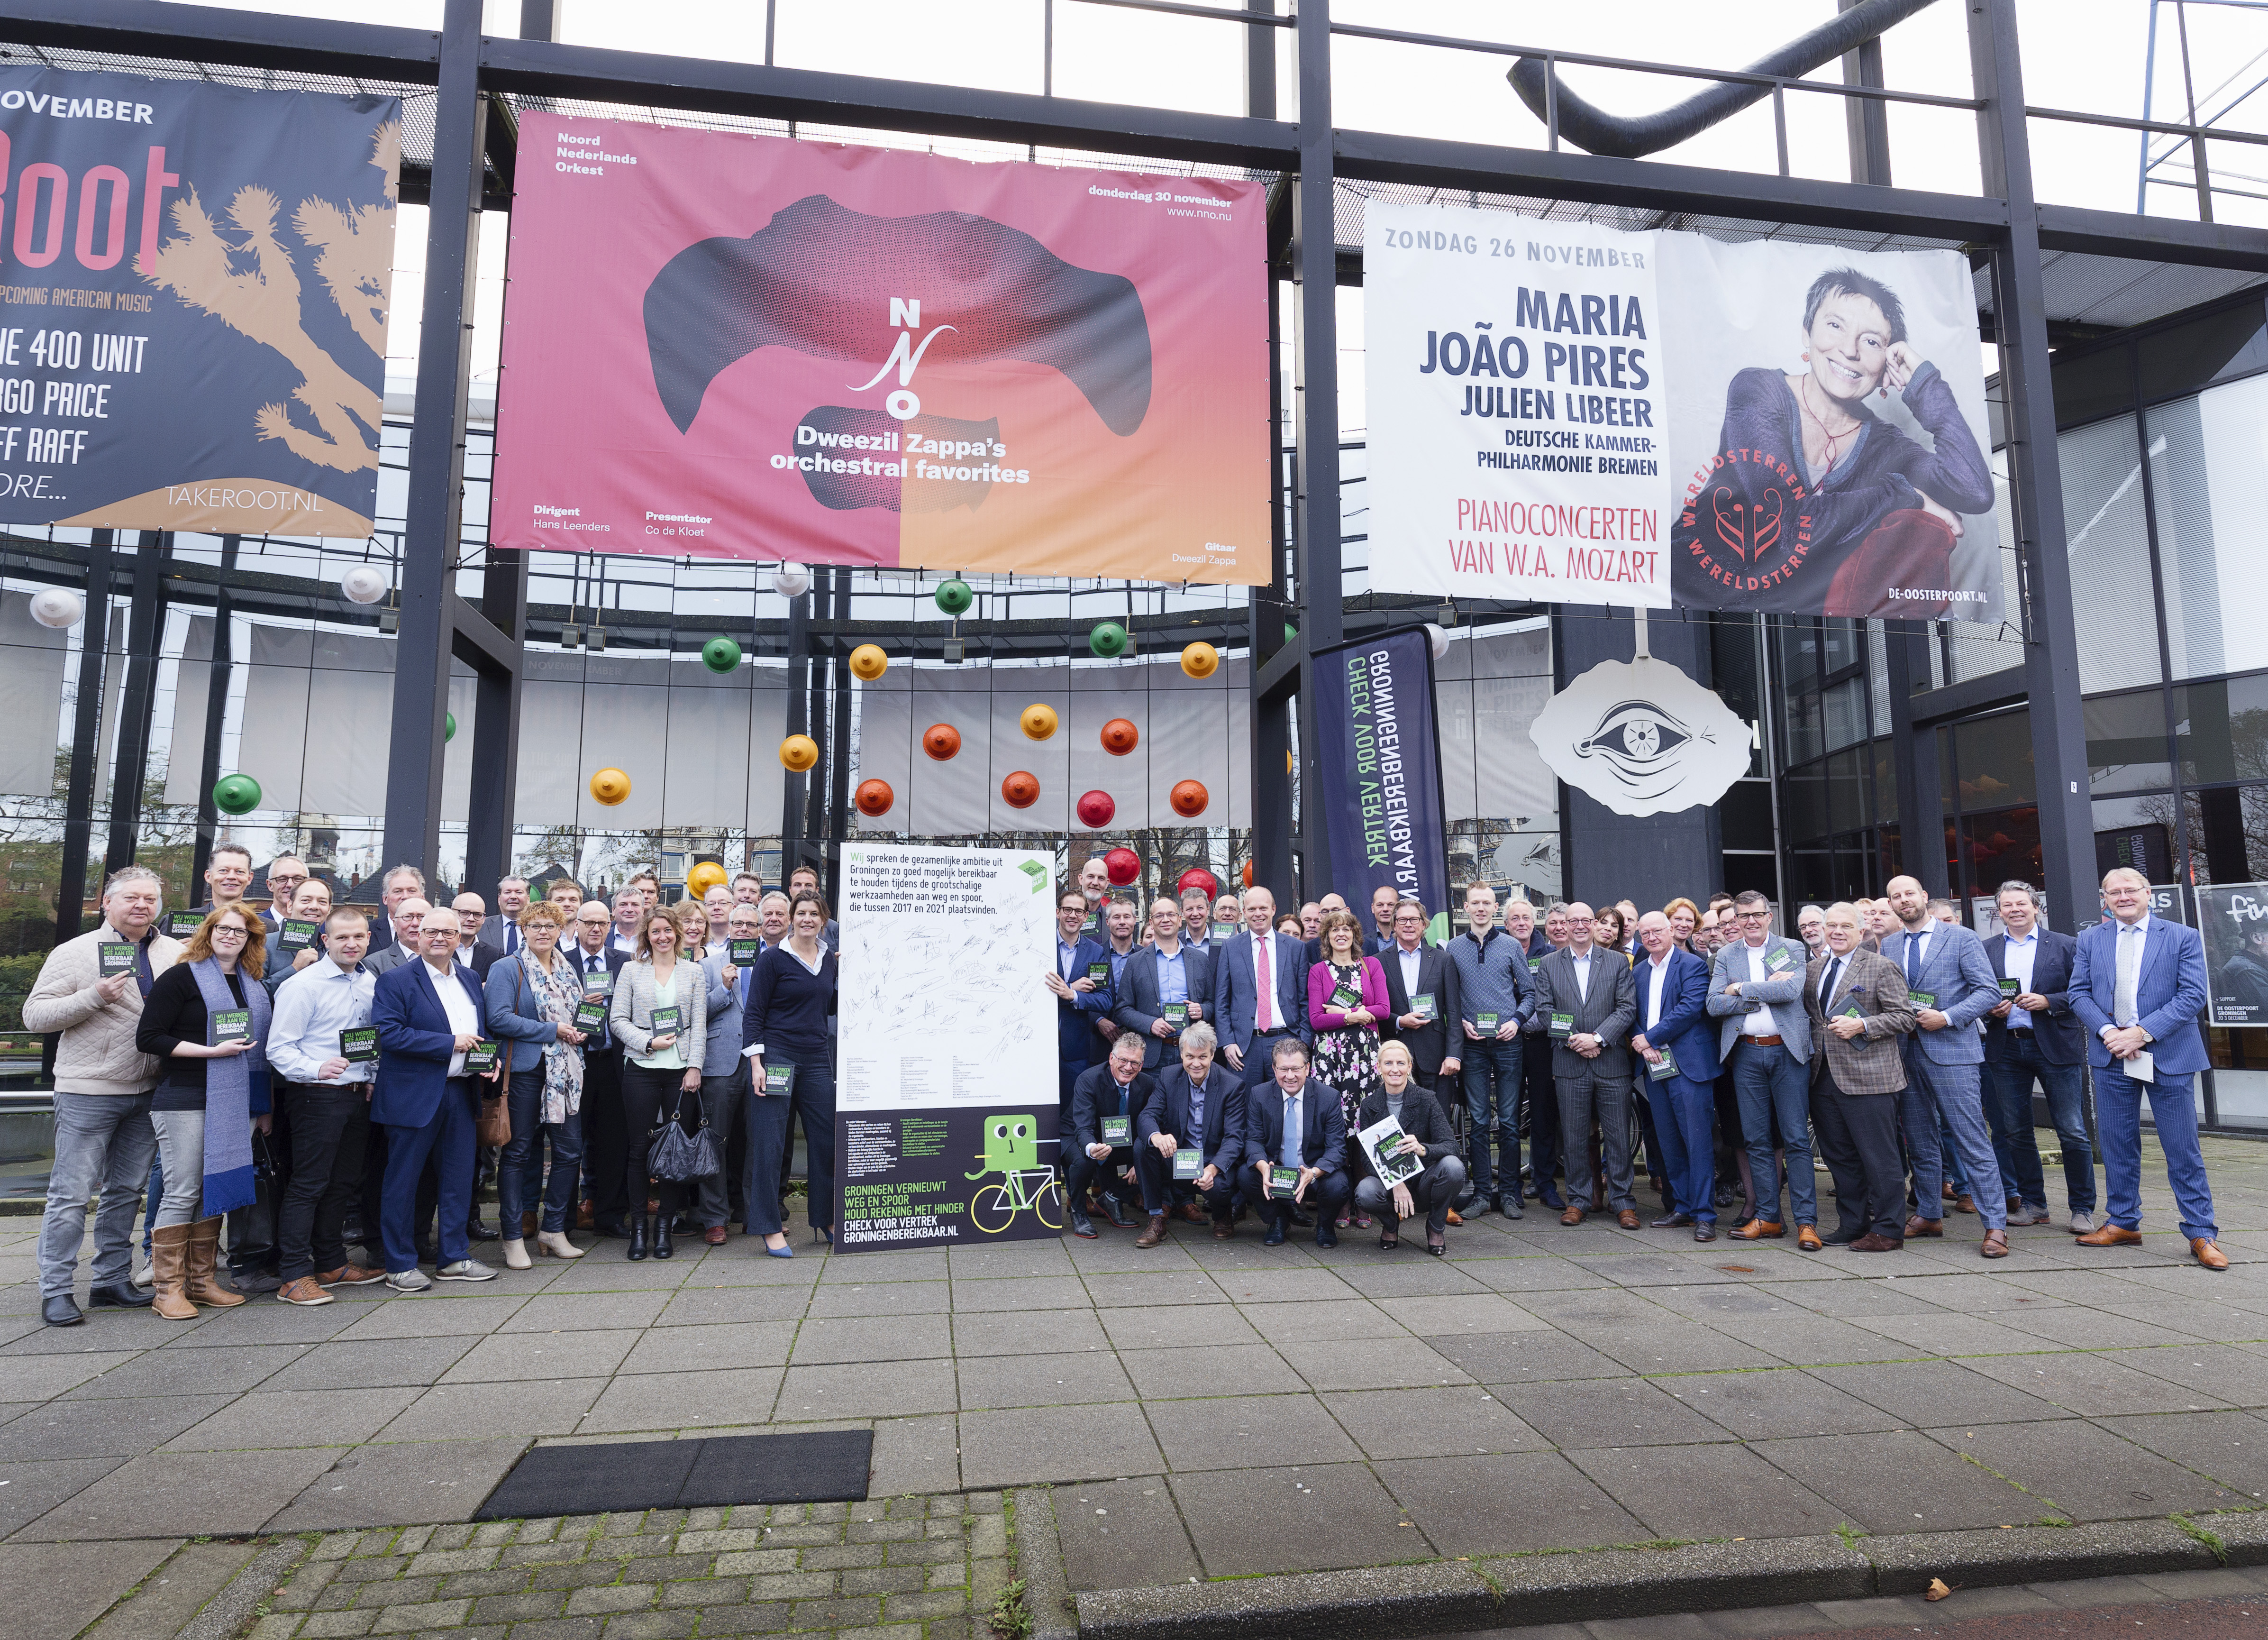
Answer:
(639, 1222)
(663, 1247)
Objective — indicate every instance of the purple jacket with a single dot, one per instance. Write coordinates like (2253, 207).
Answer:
(1754, 517)
(1323, 1016)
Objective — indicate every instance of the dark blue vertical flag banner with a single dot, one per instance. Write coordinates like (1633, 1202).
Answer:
(1379, 766)
(194, 287)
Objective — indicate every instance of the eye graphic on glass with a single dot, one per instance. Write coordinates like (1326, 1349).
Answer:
(1636, 739)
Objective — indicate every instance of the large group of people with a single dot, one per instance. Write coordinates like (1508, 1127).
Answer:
(371, 1064)
(1218, 1060)
(1885, 1038)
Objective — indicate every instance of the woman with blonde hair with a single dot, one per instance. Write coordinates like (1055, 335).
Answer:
(661, 1063)
(206, 1017)
(1684, 917)
(532, 998)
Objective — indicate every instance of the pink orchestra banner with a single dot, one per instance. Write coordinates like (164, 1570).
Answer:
(750, 347)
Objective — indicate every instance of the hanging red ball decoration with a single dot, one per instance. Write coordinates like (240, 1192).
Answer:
(874, 798)
(1191, 799)
(940, 741)
(1020, 790)
(1124, 865)
(1096, 809)
(1198, 877)
(1120, 737)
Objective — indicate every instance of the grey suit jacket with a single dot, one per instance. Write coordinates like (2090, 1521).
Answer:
(1869, 1063)
(1607, 1009)
(1785, 993)
(391, 955)
(722, 1056)
(629, 1015)
(1955, 970)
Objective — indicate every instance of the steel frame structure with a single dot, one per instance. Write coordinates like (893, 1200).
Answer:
(2005, 226)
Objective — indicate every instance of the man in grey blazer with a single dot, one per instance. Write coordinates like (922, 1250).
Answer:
(1855, 1000)
(1588, 1009)
(1757, 988)
(1952, 986)
(407, 917)
(724, 1071)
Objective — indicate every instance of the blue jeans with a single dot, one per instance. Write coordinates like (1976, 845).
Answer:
(1491, 1079)
(1773, 1084)
(520, 1165)
(2118, 1118)
(2016, 1147)
(153, 1194)
(1954, 1094)
(103, 1144)
(1685, 1119)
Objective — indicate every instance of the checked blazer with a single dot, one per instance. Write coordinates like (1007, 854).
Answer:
(1871, 983)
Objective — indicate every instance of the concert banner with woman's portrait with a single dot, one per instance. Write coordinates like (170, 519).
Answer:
(1563, 413)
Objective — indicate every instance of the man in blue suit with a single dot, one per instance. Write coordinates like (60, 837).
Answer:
(1295, 1123)
(1197, 1106)
(1166, 974)
(1674, 1028)
(1260, 991)
(2138, 984)
(1080, 981)
(2031, 1035)
(429, 1014)
(1116, 1090)
(1952, 986)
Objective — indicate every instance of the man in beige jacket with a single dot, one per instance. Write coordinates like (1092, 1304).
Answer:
(103, 1137)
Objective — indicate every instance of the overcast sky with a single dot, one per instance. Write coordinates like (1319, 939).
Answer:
(2084, 55)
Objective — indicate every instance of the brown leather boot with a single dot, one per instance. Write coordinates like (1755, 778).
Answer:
(1153, 1232)
(204, 1286)
(169, 1253)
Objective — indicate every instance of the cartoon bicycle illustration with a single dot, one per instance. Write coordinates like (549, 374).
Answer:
(1012, 1148)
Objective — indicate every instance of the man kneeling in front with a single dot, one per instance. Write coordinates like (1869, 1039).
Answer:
(1191, 1133)
(1105, 1103)
(1295, 1147)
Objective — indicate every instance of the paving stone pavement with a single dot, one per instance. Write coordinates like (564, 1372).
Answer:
(1210, 1409)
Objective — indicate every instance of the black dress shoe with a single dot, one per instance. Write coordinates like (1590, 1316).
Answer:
(1082, 1226)
(1302, 1220)
(1704, 1232)
(125, 1295)
(1843, 1237)
(614, 1228)
(475, 1231)
(1327, 1235)
(1115, 1211)
(61, 1310)
(1675, 1221)
(1275, 1235)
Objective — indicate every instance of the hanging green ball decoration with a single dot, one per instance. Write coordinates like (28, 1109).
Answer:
(448, 726)
(954, 597)
(236, 794)
(721, 654)
(1107, 639)
(1291, 633)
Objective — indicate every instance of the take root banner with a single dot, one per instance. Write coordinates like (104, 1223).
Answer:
(1563, 413)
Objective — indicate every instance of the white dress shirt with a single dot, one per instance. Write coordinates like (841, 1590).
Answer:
(2018, 959)
(464, 1018)
(1658, 971)
(1582, 966)
(1410, 962)
(1766, 1021)
(312, 1008)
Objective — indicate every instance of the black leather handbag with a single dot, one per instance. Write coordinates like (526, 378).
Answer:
(681, 1157)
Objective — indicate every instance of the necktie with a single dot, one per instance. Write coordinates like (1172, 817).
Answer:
(1293, 1151)
(2130, 966)
(1913, 960)
(1263, 1015)
(1834, 979)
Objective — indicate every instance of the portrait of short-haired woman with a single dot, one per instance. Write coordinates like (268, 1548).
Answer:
(1816, 504)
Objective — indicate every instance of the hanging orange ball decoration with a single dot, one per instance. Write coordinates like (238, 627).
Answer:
(1191, 799)
(706, 874)
(1200, 660)
(798, 752)
(610, 787)
(1020, 790)
(941, 740)
(1120, 737)
(1039, 721)
(875, 797)
(868, 662)
(1248, 873)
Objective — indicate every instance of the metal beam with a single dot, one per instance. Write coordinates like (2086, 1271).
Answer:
(218, 665)
(145, 631)
(542, 69)
(1972, 696)
(2035, 473)
(2152, 238)
(203, 34)
(1315, 355)
(1380, 157)
(434, 514)
(476, 639)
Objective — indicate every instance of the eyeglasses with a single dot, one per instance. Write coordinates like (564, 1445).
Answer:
(231, 931)
(1754, 916)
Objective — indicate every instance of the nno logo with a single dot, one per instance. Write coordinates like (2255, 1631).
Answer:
(1643, 738)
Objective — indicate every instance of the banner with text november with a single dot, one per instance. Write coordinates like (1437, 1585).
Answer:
(194, 287)
(1564, 412)
(750, 347)
(945, 1125)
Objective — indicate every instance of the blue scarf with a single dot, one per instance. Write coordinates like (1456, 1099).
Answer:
(231, 1082)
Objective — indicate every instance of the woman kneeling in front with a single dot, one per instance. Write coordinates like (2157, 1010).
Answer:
(1425, 1136)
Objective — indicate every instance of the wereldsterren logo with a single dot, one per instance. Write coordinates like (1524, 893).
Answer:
(1642, 738)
